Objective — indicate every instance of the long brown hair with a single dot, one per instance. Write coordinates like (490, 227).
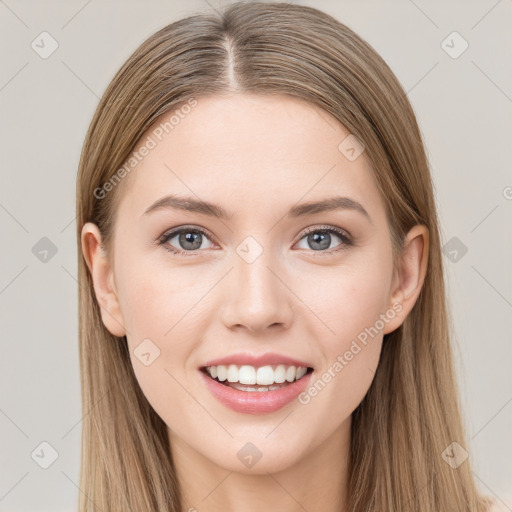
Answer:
(411, 413)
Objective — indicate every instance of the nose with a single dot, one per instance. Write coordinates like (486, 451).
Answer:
(257, 297)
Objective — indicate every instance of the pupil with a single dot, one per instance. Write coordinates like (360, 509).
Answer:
(323, 239)
(190, 237)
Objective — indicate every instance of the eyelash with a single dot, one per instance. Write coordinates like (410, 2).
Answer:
(345, 238)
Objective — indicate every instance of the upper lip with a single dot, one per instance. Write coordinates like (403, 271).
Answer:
(258, 361)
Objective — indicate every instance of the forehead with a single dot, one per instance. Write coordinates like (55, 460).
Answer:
(248, 153)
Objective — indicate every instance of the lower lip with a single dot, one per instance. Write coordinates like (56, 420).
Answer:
(256, 402)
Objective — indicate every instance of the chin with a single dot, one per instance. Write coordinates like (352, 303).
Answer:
(257, 455)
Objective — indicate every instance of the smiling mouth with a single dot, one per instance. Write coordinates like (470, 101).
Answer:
(256, 379)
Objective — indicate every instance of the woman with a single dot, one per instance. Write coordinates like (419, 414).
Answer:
(262, 307)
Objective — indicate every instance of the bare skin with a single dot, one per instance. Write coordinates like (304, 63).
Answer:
(257, 157)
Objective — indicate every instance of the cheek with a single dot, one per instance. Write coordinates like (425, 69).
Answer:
(163, 314)
(157, 300)
(161, 339)
(347, 299)
(350, 350)
(352, 302)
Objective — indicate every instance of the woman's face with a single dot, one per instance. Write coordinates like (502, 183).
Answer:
(270, 284)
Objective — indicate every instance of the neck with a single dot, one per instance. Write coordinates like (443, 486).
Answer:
(317, 482)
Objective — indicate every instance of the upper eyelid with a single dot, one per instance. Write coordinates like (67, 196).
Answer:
(334, 229)
(171, 233)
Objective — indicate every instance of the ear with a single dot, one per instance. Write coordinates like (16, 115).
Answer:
(103, 279)
(408, 279)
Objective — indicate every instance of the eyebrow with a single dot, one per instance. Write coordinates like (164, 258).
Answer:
(190, 204)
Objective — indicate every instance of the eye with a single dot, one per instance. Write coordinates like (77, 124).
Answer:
(187, 239)
(320, 238)
(191, 239)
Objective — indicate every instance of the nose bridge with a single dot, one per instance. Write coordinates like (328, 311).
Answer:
(258, 298)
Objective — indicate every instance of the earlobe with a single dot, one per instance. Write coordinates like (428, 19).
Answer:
(103, 279)
(408, 280)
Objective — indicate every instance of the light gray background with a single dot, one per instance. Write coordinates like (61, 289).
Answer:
(464, 109)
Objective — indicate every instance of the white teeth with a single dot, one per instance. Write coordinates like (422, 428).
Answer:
(221, 372)
(247, 375)
(280, 374)
(301, 372)
(263, 376)
(232, 373)
(251, 389)
(243, 388)
(290, 373)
